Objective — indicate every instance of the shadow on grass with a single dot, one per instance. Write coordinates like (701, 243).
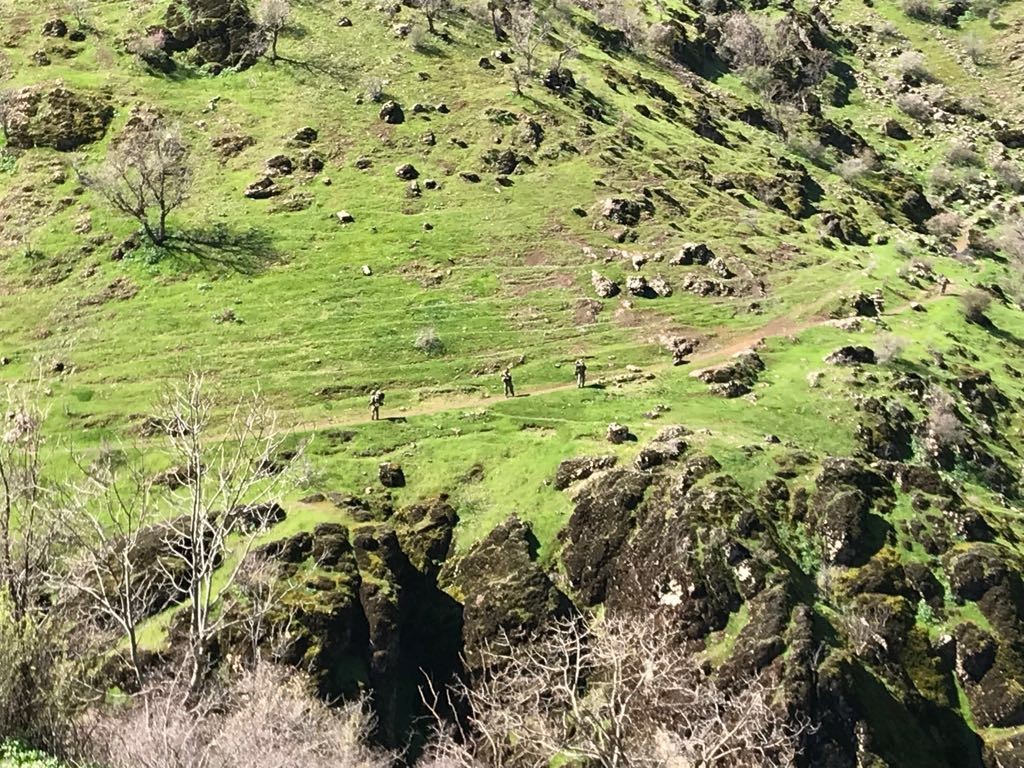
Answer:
(247, 252)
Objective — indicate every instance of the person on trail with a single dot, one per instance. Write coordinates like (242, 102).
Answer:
(581, 374)
(506, 379)
(376, 401)
(943, 284)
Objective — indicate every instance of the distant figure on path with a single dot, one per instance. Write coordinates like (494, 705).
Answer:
(581, 373)
(376, 401)
(943, 284)
(506, 379)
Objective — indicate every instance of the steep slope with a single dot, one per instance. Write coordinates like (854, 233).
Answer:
(808, 196)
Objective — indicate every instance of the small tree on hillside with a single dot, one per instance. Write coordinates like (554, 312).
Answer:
(147, 175)
(526, 32)
(224, 503)
(272, 17)
(433, 10)
(110, 581)
(30, 540)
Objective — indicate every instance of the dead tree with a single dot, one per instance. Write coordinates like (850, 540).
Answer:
(527, 31)
(432, 11)
(229, 480)
(111, 580)
(272, 17)
(147, 175)
(29, 536)
(617, 693)
(266, 719)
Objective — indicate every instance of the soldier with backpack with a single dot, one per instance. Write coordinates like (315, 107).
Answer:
(581, 373)
(376, 401)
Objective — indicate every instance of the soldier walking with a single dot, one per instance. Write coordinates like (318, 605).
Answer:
(943, 285)
(581, 374)
(506, 379)
(376, 401)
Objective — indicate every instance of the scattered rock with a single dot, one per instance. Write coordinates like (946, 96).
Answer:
(852, 355)
(618, 433)
(580, 468)
(391, 475)
(219, 32)
(895, 130)
(280, 165)
(55, 28)
(406, 172)
(391, 113)
(262, 189)
(344, 217)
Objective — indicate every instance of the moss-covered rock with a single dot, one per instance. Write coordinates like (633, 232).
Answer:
(53, 116)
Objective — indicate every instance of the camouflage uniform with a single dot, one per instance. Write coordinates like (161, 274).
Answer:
(506, 379)
(376, 401)
(581, 374)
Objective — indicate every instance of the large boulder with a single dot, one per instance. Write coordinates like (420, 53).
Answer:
(841, 506)
(598, 528)
(219, 31)
(580, 468)
(503, 589)
(53, 116)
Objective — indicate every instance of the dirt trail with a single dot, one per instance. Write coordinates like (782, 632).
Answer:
(720, 349)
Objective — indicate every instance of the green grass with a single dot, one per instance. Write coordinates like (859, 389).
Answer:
(502, 275)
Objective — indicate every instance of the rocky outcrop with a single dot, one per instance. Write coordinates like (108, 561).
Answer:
(599, 526)
(504, 590)
(735, 378)
(54, 116)
(218, 32)
(841, 510)
(580, 468)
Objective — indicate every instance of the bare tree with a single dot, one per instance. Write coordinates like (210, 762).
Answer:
(432, 11)
(29, 540)
(111, 580)
(147, 175)
(272, 17)
(266, 719)
(527, 31)
(617, 693)
(229, 480)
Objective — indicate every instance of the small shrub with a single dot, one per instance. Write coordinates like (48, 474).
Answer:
(922, 10)
(148, 46)
(428, 342)
(962, 155)
(944, 427)
(945, 225)
(889, 32)
(943, 179)
(373, 89)
(912, 64)
(982, 8)
(1009, 175)
(916, 106)
(417, 38)
(809, 148)
(974, 47)
(853, 169)
(889, 350)
(975, 303)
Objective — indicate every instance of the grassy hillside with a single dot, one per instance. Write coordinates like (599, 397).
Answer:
(499, 268)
